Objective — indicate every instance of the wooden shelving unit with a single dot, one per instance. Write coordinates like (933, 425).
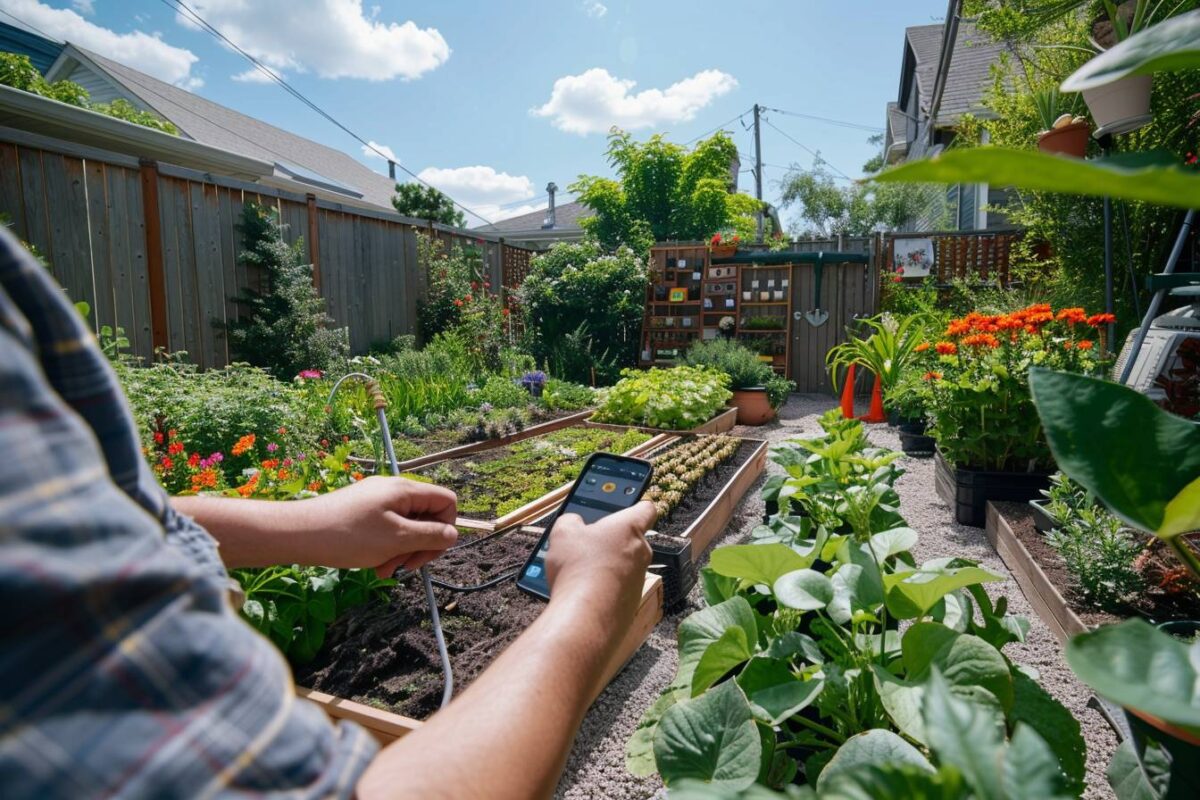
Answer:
(711, 292)
(766, 293)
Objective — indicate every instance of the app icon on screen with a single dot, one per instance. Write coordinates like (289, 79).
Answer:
(608, 488)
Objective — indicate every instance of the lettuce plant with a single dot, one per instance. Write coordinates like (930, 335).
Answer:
(672, 399)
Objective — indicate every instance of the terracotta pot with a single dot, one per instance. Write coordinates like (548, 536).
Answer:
(1069, 140)
(753, 407)
(723, 251)
(1120, 106)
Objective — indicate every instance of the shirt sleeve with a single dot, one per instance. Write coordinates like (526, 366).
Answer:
(123, 668)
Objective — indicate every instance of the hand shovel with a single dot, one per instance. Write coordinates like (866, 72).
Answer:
(817, 317)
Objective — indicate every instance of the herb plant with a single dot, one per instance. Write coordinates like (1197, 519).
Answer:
(672, 399)
(1101, 555)
(680, 469)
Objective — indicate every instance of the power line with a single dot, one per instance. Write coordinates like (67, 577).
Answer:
(29, 25)
(841, 123)
(205, 25)
(719, 127)
(806, 148)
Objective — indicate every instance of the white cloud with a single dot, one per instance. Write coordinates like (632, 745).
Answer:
(492, 195)
(594, 101)
(252, 75)
(138, 49)
(85, 7)
(332, 38)
(379, 148)
(594, 9)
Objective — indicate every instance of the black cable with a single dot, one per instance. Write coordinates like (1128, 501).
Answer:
(841, 123)
(270, 73)
(478, 587)
(719, 127)
(819, 158)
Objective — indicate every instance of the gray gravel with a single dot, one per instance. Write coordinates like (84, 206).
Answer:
(596, 766)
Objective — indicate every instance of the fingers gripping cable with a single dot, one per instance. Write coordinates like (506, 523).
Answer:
(380, 403)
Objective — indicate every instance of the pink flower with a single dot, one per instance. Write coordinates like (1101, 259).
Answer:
(272, 447)
(311, 374)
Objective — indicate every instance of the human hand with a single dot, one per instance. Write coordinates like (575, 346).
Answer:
(382, 522)
(602, 562)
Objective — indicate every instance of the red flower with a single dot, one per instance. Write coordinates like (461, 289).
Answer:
(458, 302)
(468, 298)
(504, 312)
(175, 448)
(158, 437)
(897, 279)
(946, 348)
(1096, 320)
(474, 285)
(1084, 344)
(194, 460)
(166, 462)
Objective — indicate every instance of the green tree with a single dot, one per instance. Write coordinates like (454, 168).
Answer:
(827, 209)
(19, 72)
(664, 192)
(284, 328)
(425, 202)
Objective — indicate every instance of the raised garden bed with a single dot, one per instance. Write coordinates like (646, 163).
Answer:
(1044, 578)
(530, 432)
(968, 491)
(721, 423)
(519, 482)
(379, 665)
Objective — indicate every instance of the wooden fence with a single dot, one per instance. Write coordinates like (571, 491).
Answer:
(154, 248)
(976, 256)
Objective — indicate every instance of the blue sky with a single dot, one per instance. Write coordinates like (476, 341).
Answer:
(490, 101)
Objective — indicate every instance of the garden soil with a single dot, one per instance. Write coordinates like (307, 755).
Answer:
(596, 766)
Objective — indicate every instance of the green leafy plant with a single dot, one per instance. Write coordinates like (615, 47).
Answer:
(1051, 105)
(763, 323)
(673, 399)
(566, 396)
(886, 352)
(743, 367)
(421, 201)
(1172, 45)
(1100, 553)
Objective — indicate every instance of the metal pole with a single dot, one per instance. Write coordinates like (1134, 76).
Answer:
(1109, 307)
(1156, 301)
(758, 170)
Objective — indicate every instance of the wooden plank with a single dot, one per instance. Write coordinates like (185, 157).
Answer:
(33, 198)
(156, 282)
(386, 727)
(1047, 601)
(11, 204)
(210, 271)
(66, 203)
(99, 232)
(171, 268)
(314, 238)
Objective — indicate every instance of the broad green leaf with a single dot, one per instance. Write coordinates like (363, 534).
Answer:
(851, 593)
(711, 738)
(1169, 46)
(699, 790)
(790, 645)
(756, 563)
(1147, 177)
(639, 750)
(727, 652)
(961, 659)
(253, 611)
(1135, 457)
(1139, 667)
(804, 590)
(965, 736)
(1030, 769)
(706, 626)
(717, 588)
(894, 541)
(895, 782)
(1033, 706)
(914, 593)
(1132, 778)
(873, 747)
(774, 692)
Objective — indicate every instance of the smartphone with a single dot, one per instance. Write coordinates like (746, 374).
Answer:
(607, 484)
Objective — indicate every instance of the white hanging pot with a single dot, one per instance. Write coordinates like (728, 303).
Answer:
(1121, 106)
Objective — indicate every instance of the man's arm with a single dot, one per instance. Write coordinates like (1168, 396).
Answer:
(509, 733)
(386, 523)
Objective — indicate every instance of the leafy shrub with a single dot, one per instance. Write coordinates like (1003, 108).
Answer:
(674, 399)
(909, 397)
(450, 277)
(503, 392)
(578, 285)
(285, 328)
(743, 367)
(1100, 554)
(566, 396)
(576, 357)
(778, 390)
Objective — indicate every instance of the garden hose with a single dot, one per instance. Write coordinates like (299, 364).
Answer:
(380, 403)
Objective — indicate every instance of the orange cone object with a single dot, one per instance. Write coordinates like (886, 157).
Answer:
(876, 413)
(848, 394)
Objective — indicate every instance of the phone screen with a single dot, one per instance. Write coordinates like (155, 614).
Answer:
(607, 484)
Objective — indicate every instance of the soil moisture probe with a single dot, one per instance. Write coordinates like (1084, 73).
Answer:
(380, 403)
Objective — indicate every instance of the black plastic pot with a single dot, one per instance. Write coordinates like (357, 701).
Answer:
(915, 427)
(1041, 517)
(916, 444)
(968, 491)
(1186, 629)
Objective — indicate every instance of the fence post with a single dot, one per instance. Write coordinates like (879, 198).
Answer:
(156, 281)
(314, 246)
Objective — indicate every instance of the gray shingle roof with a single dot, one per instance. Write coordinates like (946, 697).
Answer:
(970, 68)
(566, 218)
(217, 125)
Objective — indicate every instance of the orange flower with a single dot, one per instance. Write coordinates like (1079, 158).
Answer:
(1072, 315)
(946, 348)
(283, 474)
(1084, 344)
(981, 340)
(1096, 320)
(315, 486)
(1067, 345)
(270, 463)
(243, 444)
(932, 376)
(248, 488)
(922, 347)
(358, 476)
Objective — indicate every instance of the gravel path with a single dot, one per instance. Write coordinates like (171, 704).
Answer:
(596, 766)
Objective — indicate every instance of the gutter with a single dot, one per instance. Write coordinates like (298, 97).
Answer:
(31, 112)
(949, 38)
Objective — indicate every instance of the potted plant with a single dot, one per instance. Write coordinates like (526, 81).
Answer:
(724, 246)
(893, 344)
(1062, 132)
(906, 402)
(533, 382)
(727, 326)
(757, 390)
(1122, 105)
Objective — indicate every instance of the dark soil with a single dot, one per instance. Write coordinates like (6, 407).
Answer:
(385, 655)
(1154, 604)
(694, 503)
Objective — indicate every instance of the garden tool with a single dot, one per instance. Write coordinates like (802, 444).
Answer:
(817, 317)
(380, 403)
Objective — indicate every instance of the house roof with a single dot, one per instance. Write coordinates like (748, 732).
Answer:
(970, 68)
(41, 51)
(297, 159)
(566, 219)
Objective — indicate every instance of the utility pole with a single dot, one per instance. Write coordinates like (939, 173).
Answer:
(758, 170)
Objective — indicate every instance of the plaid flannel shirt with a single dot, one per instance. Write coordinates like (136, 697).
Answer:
(123, 668)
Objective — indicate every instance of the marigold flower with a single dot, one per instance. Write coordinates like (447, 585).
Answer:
(270, 463)
(981, 340)
(282, 431)
(283, 474)
(314, 486)
(1072, 315)
(244, 444)
(932, 376)
(922, 347)
(1084, 344)
(1068, 345)
(357, 476)
(946, 348)
(1096, 320)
